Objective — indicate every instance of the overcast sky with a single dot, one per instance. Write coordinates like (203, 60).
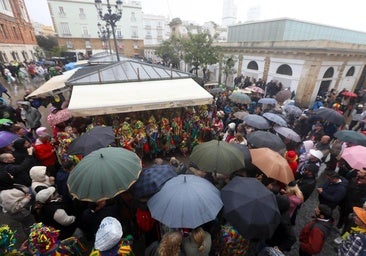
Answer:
(348, 14)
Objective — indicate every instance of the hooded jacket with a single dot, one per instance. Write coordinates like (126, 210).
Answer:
(31, 116)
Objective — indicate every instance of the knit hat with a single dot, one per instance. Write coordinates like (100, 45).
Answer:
(316, 153)
(108, 235)
(361, 214)
(38, 173)
(291, 156)
(43, 195)
(42, 131)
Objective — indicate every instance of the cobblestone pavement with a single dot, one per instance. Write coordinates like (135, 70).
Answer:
(304, 214)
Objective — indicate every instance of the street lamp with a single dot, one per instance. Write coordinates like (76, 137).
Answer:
(110, 18)
(104, 34)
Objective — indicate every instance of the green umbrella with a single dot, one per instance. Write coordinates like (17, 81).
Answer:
(217, 156)
(103, 174)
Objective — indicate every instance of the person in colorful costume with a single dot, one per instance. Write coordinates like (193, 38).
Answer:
(127, 137)
(43, 241)
(7, 241)
(195, 132)
(230, 242)
(152, 132)
(166, 137)
(142, 146)
(177, 129)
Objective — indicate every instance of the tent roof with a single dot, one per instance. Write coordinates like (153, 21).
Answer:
(96, 99)
(127, 70)
(56, 82)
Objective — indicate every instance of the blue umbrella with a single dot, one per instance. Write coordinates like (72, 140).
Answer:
(256, 121)
(152, 179)
(185, 201)
(275, 119)
(6, 138)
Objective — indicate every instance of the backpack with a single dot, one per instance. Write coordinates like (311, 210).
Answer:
(144, 220)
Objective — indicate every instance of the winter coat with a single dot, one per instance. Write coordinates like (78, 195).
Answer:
(31, 116)
(20, 171)
(20, 152)
(333, 193)
(44, 153)
(14, 200)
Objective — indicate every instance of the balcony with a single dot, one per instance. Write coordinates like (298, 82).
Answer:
(62, 15)
(82, 16)
(147, 27)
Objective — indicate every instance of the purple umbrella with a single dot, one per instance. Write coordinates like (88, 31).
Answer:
(6, 138)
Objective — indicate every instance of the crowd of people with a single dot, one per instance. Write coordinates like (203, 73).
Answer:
(16, 72)
(35, 166)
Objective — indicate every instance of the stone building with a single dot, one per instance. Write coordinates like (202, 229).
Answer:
(17, 39)
(307, 57)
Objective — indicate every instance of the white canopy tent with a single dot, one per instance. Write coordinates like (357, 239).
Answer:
(100, 99)
(56, 82)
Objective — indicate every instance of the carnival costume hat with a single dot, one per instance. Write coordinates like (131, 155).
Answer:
(42, 239)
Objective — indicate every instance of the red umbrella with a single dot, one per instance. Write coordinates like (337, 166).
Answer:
(349, 94)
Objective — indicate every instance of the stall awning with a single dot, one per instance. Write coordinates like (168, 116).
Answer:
(56, 82)
(100, 99)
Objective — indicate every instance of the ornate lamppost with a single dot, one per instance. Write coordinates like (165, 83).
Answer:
(104, 34)
(110, 18)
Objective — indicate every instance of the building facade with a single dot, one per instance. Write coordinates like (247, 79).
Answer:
(17, 39)
(76, 26)
(308, 58)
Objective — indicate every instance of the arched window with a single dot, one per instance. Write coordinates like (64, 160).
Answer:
(252, 65)
(329, 73)
(351, 71)
(284, 70)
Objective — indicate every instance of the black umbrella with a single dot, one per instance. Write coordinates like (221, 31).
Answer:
(96, 138)
(330, 115)
(263, 139)
(250, 207)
